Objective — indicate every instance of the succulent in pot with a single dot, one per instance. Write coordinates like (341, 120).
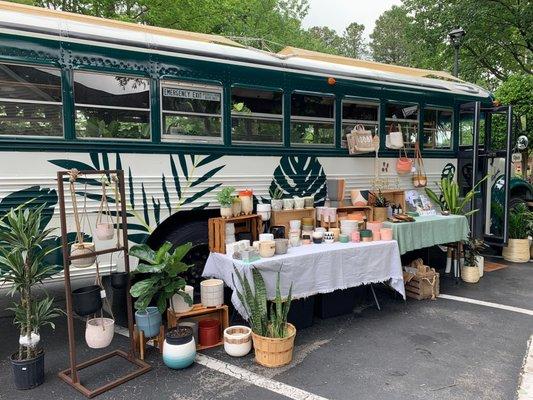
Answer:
(273, 337)
(23, 250)
(162, 269)
(276, 198)
(225, 199)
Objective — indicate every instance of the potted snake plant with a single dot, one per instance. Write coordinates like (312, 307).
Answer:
(272, 336)
(23, 251)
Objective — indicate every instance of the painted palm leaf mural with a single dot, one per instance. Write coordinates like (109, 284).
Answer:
(144, 213)
(300, 176)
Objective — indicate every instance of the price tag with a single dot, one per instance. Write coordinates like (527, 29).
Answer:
(102, 294)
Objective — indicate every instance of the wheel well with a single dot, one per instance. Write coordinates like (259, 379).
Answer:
(173, 223)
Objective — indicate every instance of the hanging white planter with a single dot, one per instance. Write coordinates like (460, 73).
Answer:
(99, 332)
(105, 230)
(86, 249)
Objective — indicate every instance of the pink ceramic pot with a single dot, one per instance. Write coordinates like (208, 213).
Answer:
(386, 233)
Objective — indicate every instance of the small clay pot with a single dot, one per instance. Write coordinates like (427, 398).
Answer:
(209, 331)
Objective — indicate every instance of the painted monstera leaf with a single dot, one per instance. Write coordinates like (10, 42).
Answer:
(300, 176)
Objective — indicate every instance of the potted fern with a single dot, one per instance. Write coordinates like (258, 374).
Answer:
(23, 250)
(225, 199)
(272, 336)
(520, 224)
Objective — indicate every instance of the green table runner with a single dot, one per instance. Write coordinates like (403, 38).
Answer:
(428, 231)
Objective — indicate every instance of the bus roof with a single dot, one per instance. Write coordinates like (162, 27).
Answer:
(69, 27)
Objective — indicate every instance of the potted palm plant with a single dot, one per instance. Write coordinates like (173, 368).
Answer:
(160, 281)
(520, 224)
(272, 336)
(225, 199)
(23, 250)
(451, 202)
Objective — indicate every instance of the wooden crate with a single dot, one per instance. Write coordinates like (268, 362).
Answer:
(367, 210)
(422, 286)
(244, 223)
(394, 196)
(198, 313)
(282, 218)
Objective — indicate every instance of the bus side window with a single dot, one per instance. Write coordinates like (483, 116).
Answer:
(30, 101)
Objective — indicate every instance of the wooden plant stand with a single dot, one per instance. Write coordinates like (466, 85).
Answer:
(282, 218)
(140, 340)
(394, 196)
(244, 223)
(198, 313)
(70, 375)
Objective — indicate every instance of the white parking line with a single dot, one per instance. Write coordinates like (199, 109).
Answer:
(486, 304)
(244, 375)
(255, 379)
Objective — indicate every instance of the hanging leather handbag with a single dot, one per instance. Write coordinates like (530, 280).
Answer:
(360, 140)
(404, 164)
(394, 140)
(420, 178)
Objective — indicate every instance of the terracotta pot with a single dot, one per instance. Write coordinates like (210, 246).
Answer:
(85, 248)
(209, 331)
(99, 332)
(105, 230)
(386, 233)
(179, 304)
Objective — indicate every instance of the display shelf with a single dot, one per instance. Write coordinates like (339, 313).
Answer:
(243, 223)
(283, 217)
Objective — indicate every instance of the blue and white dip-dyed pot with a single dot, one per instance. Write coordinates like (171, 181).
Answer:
(148, 321)
(179, 350)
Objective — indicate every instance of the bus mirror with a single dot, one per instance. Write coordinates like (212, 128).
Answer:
(522, 142)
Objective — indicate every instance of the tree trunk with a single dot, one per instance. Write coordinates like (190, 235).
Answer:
(27, 305)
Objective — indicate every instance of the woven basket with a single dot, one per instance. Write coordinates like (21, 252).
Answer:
(274, 352)
(470, 274)
(380, 214)
(516, 251)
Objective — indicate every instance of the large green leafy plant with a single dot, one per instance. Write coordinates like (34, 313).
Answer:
(162, 269)
(23, 251)
(520, 222)
(450, 200)
(270, 323)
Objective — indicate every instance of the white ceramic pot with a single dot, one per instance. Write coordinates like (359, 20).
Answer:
(99, 332)
(264, 211)
(480, 262)
(179, 304)
(357, 198)
(267, 248)
(85, 248)
(277, 204)
(266, 237)
(237, 340)
(309, 201)
(105, 230)
(226, 212)
(299, 203)
(179, 353)
(329, 237)
(212, 292)
(288, 204)
(295, 224)
(294, 241)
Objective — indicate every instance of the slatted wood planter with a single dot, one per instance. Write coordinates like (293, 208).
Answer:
(244, 223)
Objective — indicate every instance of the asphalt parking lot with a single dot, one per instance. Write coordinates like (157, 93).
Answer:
(442, 349)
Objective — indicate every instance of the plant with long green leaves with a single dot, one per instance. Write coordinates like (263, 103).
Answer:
(520, 222)
(163, 269)
(264, 322)
(451, 201)
(23, 265)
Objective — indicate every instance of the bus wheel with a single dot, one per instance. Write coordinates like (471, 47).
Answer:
(515, 201)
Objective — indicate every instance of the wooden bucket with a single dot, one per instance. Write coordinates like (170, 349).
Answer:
(516, 251)
(274, 352)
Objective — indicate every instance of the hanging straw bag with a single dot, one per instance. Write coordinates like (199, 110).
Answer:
(360, 140)
(404, 164)
(420, 178)
(394, 140)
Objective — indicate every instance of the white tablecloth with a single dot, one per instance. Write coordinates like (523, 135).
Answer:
(316, 268)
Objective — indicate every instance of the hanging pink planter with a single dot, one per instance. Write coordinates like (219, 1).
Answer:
(99, 332)
(105, 230)
(86, 249)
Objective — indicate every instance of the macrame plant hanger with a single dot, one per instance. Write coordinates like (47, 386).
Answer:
(71, 374)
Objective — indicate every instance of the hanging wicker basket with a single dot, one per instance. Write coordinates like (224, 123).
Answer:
(274, 352)
(470, 274)
(516, 251)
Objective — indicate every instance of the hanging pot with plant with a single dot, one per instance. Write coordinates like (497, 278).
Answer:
(23, 253)
(105, 229)
(273, 337)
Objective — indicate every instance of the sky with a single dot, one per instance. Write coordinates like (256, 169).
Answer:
(338, 14)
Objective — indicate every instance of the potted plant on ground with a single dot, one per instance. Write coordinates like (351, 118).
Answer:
(225, 199)
(520, 227)
(380, 205)
(161, 281)
(273, 337)
(276, 199)
(23, 249)
(470, 270)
